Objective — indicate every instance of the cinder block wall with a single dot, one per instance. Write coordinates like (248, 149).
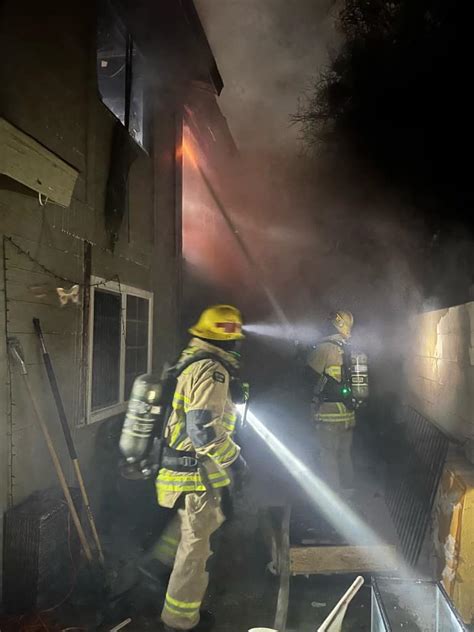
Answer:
(439, 371)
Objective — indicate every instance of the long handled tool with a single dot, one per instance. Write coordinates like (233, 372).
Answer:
(17, 353)
(67, 435)
(333, 623)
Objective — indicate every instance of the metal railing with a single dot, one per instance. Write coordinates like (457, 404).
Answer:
(413, 480)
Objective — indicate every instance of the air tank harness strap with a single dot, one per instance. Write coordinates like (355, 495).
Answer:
(179, 461)
(180, 366)
(173, 374)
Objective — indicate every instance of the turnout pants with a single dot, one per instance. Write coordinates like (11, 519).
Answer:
(185, 546)
(334, 450)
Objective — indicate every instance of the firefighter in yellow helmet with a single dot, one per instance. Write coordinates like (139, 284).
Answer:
(199, 461)
(332, 407)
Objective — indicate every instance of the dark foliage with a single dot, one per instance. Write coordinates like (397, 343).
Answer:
(398, 95)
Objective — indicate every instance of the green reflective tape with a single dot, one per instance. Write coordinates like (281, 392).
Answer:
(190, 614)
(185, 605)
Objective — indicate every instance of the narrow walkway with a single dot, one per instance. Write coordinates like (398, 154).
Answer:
(243, 593)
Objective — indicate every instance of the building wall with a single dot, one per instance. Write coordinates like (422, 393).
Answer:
(48, 90)
(5, 404)
(440, 369)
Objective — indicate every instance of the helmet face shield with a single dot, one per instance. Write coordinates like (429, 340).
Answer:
(230, 328)
(219, 322)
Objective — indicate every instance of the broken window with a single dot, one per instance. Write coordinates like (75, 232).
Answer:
(120, 345)
(121, 74)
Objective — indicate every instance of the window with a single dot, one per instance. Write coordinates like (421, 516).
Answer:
(136, 340)
(120, 328)
(121, 74)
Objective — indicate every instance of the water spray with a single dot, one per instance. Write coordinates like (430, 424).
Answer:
(303, 333)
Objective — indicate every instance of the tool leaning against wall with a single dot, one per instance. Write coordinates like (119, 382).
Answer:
(68, 437)
(18, 355)
(98, 574)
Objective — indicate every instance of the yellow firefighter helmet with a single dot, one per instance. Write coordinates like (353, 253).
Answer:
(219, 322)
(343, 322)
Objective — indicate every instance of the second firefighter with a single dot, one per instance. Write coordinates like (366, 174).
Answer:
(332, 405)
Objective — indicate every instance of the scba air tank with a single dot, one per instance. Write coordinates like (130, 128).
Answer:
(143, 413)
(360, 376)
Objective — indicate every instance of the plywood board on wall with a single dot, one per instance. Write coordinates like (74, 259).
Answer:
(25, 160)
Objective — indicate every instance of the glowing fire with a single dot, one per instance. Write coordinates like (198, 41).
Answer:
(187, 150)
(208, 246)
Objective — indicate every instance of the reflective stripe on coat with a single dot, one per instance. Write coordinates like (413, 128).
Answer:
(203, 421)
(328, 358)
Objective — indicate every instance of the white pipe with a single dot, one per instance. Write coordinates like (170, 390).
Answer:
(340, 609)
(120, 626)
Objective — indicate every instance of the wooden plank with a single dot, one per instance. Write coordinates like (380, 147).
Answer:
(281, 614)
(309, 560)
(25, 160)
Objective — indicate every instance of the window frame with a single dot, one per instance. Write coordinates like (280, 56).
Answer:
(130, 64)
(98, 283)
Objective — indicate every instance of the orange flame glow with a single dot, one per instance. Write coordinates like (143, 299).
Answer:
(188, 151)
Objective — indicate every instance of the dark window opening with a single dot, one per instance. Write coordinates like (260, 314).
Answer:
(120, 346)
(121, 74)
(136, 341)
(106, 349)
